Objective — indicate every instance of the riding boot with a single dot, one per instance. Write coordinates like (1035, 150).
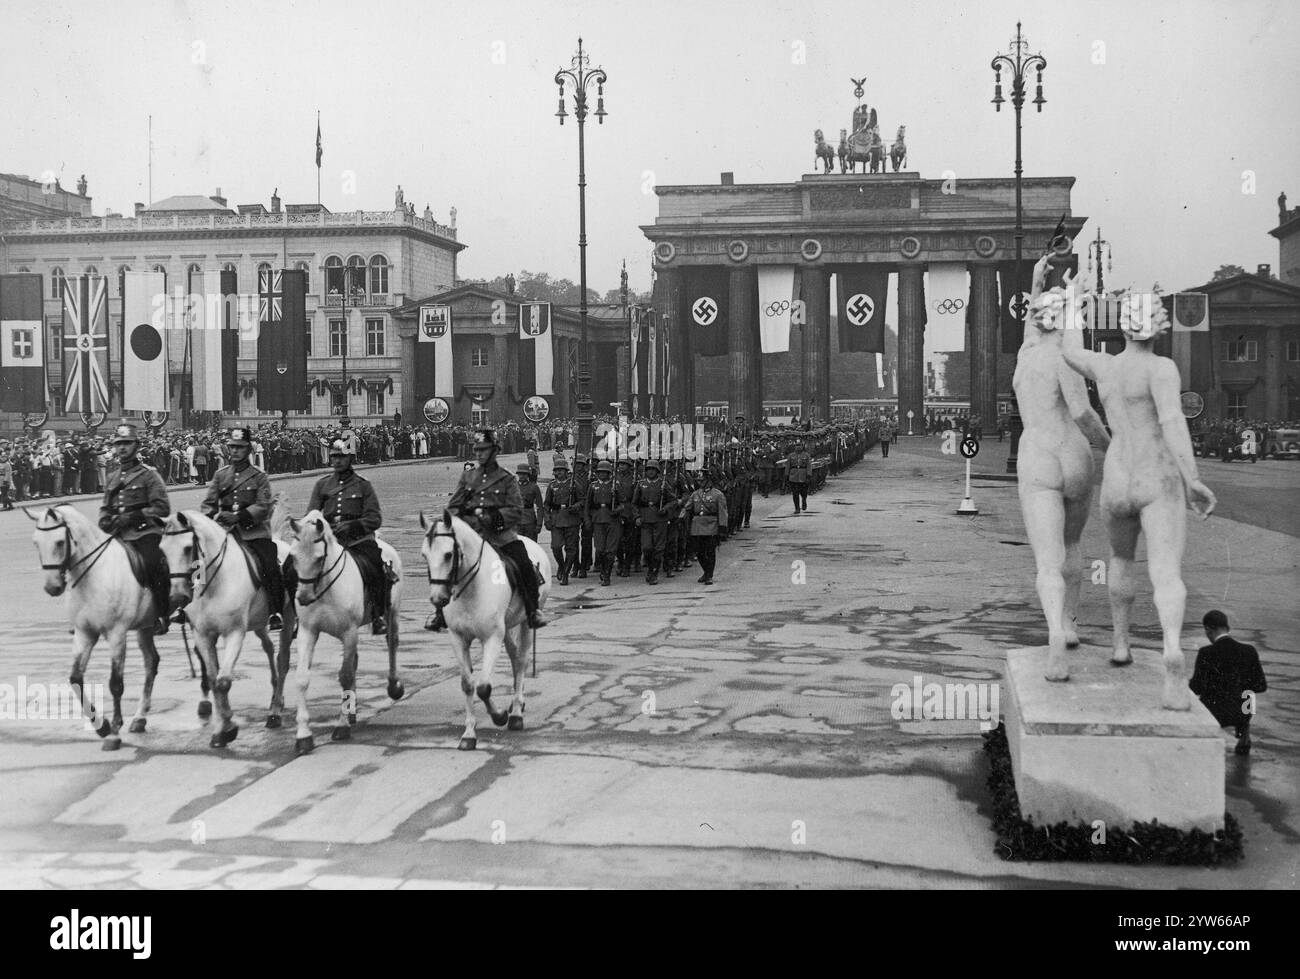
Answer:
(436, 622)
(651, 570)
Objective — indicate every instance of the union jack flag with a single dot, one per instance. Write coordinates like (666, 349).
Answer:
(85, 344)
(271, 291)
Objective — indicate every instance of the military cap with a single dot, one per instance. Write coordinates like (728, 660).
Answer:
(486, 438)
(125, 433)
(559, 462)
(604, 467)
(339, 447)
(239, 436)
(524, 469)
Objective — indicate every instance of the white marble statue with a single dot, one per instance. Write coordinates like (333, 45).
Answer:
(1149, 476)
(1055, 465)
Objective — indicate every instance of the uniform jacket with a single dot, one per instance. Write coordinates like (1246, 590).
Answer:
(532, 513)
(564, 505)
(491, 501)
(348, 502)
(582, 483)
(247, 494)
(6, 473)
(652, 499)
(799, 461)
(624, 489)
(1223, 670)
(139, 495)
(708, 511)
(602, 500)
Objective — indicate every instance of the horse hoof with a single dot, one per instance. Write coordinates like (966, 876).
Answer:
(303, 746)
(500, 718)
(223, 685)
(516, 723)
(138, 725)
(104, 729)
(341, 733)
(117, 724)
(111, 743)
(205, 708)
(1121, 662)
(395, 690)
(273, 721)
(352, 718)
(223, 738)
(467, 744)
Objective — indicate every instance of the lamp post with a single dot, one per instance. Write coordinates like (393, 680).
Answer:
(579, 77)
(347, 287)
(1098, 248)
(1018, 62)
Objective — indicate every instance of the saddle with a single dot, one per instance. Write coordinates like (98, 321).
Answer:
(136, 561)
(512, 570)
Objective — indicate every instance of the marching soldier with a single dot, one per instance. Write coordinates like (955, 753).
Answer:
(531, 494)
(607, 530)
(624, 487)
(672, 542)
(240, 500)
(348, 501)
(134, 507)
(799, 462)
(652, 500)
(563, 518)
(581, 483)
(489, 499)
(532, 462)
(708, 509)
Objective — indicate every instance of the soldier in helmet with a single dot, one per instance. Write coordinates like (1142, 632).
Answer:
(582, 482)
(606, 528)
(531, 522)
(653, 499)
(134, 507)
(564, 515)
(348, 501)
(240, 500)
(488, 498)
(624, 487)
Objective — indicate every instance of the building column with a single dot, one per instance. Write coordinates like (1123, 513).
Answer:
(911, 347)
(815, 368)
(621, 355)
(561, 403)
(983, 319)
(501, 379)
(741, 363)
(411, 408)
(1274, 396)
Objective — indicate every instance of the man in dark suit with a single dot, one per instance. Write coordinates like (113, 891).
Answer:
(1224, 671)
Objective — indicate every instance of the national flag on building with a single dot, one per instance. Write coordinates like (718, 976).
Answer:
(775, 307)
(947, 294)
(640, 361)
(212, 357)
(705, 310)
(433, 354)
(281, 340)
(22, 336)
(147, 315)
(319, 151)
(652, 353)
(862, 295)
(536, 359)
(85, 345)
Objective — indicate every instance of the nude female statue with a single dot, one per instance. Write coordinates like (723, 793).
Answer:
(1055, 464)
(1148, 477)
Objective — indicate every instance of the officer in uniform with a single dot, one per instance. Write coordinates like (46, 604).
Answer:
(653, 499)
(563, 518)
(799, 461)
(532, 462)
(348, 502)
(582, 482)
(240, 500)
(606, 528)
(531, 522)
(624, 487)
(134, 508)
(489, 500)
(708, 511)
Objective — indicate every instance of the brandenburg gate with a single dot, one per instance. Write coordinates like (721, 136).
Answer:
(827, 223)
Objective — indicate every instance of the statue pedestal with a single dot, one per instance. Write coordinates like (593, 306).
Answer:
(1099, 747)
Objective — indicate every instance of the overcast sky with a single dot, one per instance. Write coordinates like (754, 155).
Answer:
(455, 102)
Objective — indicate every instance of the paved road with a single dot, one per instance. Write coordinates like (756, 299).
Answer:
(677, 736)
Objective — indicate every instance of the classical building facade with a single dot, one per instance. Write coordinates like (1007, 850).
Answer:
(895, 222)
(396, 254)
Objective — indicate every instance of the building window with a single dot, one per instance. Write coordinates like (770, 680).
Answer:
(1237, 351)
(338, 338)
(306, 273)
(356, 279)
(121, 280)
(334, 275)
(23, 268)
(306, 333)
(1293, 350)
(374, 338)
(478, 416)
(262, 267)
(56, 283)
(92, 272)
(374, 401)
(378, 275)
(478, 357)
(1236, 404)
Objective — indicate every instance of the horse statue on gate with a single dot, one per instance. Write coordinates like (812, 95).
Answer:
(223, 599)
(480, 603)
(898, 151)
(823, 153)
(332, 600)
(105, 599)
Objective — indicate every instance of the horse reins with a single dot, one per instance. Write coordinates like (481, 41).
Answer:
(320, 593)
(64, 567)
(209, 568)
(450, 581)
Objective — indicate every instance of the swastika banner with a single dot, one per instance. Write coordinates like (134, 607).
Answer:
(863, 294)
(705, 311)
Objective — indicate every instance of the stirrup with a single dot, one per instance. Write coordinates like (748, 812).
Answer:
(274, 621)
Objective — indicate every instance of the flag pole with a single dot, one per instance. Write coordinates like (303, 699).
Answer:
(318, 154)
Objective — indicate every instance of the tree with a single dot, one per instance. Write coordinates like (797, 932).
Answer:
(1227, 272)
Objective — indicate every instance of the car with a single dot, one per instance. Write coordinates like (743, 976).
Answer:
(1283, 443)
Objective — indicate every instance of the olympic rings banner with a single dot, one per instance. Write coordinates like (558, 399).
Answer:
(775, 303)
(862, 295)
(946, 297)
(705, 311)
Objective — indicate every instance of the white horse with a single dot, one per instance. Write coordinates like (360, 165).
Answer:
(332, 600)
(468, 582)
(104, 601)
(213, 579)
(1055, 463)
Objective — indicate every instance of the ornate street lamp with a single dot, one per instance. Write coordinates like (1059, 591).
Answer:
(580, 77)
(1018, 62)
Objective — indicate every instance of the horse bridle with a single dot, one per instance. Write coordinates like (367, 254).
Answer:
(65, 566)
(210, 568)
(450, 581)
(325, 572)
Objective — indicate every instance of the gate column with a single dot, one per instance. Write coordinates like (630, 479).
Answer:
(911, 347)
(984, 344)
(816, 366)
(742, 365)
